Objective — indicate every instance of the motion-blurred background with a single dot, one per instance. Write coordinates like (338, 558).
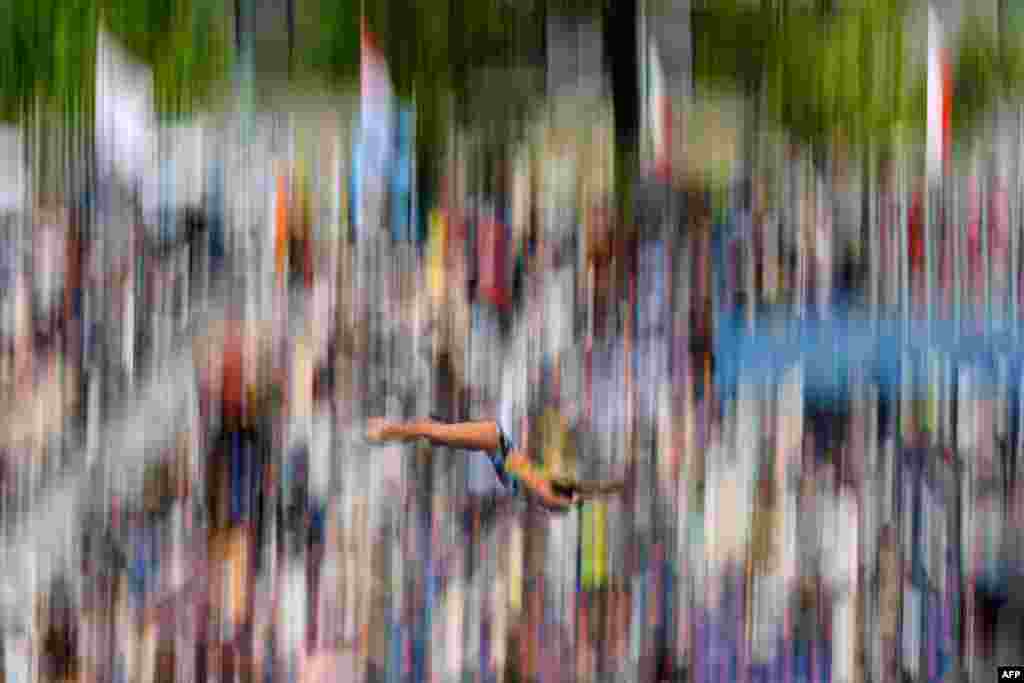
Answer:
(762, 257)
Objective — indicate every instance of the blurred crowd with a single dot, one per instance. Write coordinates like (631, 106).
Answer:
(83, 319)
(774, 529)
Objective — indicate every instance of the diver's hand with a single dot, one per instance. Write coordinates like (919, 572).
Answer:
(380, 430)
(562, 504)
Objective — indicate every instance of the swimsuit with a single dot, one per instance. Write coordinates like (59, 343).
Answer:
(499, 458)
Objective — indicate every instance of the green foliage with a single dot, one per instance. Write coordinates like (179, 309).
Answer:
(824, 71)
(46, 48)
(825, 67)
(188, 43)
(330, 47)
(143, 26)
(74, 58)
(844, 73)
(989, 66)
(579, 8)
(801, 95)
(436, 49)
(731, 45)
(976, 78)
(1012, 66)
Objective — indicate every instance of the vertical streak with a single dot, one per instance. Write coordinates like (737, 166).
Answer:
(1016, 215)
(929, 251)
(958, 253)
(984, 195)
(902, 203)
(874, 234)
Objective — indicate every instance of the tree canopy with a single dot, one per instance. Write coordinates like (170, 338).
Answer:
(989, 69)
(820, 67)
(187, 42)
(48, 49)
(821, 70)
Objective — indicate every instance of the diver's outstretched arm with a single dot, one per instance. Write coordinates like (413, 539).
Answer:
(470, 436)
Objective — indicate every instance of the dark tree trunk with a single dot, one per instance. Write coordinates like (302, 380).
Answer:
(291, 37)
(238, 26)
(620, 44)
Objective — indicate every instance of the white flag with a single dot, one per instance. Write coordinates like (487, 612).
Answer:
(936, 97)
(377, 98)
(375, 80)
(376, 131)
(657, 94)
(124, 112)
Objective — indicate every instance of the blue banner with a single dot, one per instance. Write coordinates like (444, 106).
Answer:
(847, 345)
(391, 157)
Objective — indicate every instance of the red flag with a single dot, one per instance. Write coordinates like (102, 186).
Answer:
(492, 259)
(947, 106)
(375, 80)
(376, 135)
(936, 107)
(664, 169)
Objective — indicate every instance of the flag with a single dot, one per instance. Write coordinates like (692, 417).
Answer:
(281, 211)
(374, 142)
(492, 255)
(377, 97)
(660, 111)
(124, 112)
(402, 178)
(594, 570)
(375, 80)
(436, 250)
(939, 97)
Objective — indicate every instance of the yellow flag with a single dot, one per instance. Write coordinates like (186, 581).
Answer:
(593, 526)
(515, 569)
(587, 545)
(302, 187)
(436, 253)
